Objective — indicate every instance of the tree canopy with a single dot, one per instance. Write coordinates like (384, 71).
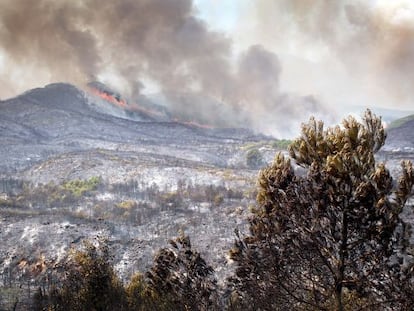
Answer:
(331, 237)
(182, 278)
(90, 283)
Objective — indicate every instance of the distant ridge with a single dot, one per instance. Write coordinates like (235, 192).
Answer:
(401, 134)
(388, 115)
(400, 122)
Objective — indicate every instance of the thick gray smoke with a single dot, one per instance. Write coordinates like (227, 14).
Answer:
(360, 51)
(82, 39)
(128, 43)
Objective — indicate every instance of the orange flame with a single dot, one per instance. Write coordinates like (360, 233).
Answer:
(110, 98)
(152, 113)
(123, 103)
(135, 107)
(194, 124)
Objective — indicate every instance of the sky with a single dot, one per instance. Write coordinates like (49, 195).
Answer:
(348, 52)
(264, 64)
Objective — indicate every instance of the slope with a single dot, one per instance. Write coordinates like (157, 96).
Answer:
(401, 134)
(60, 118)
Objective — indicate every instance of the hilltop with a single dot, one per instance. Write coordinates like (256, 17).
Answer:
(75, 166)
(60, 118)
(401, 134)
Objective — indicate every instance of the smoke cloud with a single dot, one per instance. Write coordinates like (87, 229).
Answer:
(127, 43)
(299, 53)
(78, 40)
(354, 51)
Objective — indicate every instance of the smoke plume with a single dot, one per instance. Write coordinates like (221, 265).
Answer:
(355, 51)
(130, 44)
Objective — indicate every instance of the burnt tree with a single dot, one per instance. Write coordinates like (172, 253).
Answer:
(331, 237)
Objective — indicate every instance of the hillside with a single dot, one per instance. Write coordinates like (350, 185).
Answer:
(60, 118)
(76, 167)
(401, 134)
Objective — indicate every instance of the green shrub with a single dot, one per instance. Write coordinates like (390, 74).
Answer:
(81, 187)
(281, 144)
(254, 159)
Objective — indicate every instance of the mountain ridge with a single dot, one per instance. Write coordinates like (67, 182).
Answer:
(60, 118)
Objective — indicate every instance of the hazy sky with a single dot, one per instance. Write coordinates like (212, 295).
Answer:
(267, 64)
(345, 52)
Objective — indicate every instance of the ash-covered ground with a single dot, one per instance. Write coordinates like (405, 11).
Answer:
(155, 178)
(136, 181)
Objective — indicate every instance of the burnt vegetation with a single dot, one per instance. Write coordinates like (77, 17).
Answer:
(331, 236)
(131, 201)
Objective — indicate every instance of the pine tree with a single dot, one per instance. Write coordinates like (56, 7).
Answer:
(90, 283)
(182, 279)
(332, 237)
